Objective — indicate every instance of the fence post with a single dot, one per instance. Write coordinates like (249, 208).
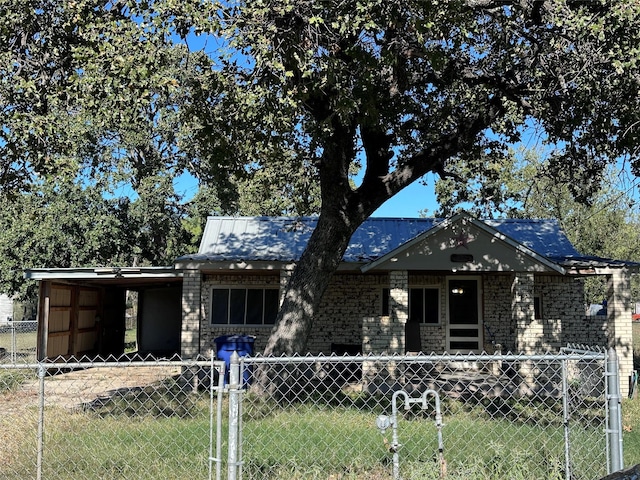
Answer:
(565, 419)
(234, 414)
(14, 341)
(614, 431)
(40, 439)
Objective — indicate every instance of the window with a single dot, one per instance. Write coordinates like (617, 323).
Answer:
(385, 301)
(424, 305)
(244, 306)
(537, 307)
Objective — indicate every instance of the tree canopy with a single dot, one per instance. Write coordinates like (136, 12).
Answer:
(312, 89)
(606, 226)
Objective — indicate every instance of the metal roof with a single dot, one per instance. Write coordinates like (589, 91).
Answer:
(122, 276)
(283, 239)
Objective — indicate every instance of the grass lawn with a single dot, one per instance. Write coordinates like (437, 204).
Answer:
(25, 345)
(313, 443)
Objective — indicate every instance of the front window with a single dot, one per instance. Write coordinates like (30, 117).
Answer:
(424, 305)
(244, 306)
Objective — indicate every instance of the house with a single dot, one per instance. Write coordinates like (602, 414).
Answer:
(6, 309)
(459, 284)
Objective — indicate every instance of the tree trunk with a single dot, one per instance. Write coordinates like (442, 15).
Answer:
(308, 283)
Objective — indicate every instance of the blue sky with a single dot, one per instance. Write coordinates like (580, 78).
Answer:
(410, 201)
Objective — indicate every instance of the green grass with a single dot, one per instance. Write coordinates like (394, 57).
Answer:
(163, 432)
(344, 443)
(25, 346)
(130, 340)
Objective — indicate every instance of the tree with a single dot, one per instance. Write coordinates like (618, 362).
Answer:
(44, 229)
(400, 87)
(410, 87)
(94, 108)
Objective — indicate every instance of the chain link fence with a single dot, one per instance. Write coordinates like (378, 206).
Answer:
(426, 416)
(411, 417)
(109, 419)
(18, 341)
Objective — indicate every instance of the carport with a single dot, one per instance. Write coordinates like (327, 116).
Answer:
(82, 311)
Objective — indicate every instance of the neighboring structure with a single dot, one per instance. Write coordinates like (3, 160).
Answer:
(405, 285)
(6, 309)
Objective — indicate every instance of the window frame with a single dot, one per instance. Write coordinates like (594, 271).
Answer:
(245, 308)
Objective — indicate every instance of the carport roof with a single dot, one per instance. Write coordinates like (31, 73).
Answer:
(126, 276)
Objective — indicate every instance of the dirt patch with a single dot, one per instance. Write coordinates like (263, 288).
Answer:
(73, 389)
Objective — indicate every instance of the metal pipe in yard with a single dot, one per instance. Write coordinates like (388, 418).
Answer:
(14, 342)
(395, 445)
(234, 414)
(614, 432)
(215, 395)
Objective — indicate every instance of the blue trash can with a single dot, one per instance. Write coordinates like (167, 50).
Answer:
(227, 344)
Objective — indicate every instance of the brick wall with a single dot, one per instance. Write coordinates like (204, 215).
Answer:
(349, 299)
(353, 302)
(191, 314)
(500, 328)
(621, 338)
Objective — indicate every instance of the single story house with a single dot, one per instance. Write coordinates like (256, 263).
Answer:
(458, 284)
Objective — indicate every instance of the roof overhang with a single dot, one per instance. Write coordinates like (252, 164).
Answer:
(252, 265)
(122, 276)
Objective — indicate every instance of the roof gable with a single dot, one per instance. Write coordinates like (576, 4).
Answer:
(463, 243)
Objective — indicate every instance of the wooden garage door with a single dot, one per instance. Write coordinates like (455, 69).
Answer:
(72, 321)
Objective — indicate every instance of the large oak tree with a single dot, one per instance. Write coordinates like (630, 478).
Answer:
(407, 87)
(399, 88)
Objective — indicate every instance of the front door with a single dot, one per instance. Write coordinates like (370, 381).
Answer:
(464, 322)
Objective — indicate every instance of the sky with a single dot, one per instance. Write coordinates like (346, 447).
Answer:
(410, 201)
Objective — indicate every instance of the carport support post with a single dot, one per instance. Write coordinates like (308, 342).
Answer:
(614, 430)
(235, 390)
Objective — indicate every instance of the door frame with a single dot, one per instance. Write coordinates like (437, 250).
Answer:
(479, 325)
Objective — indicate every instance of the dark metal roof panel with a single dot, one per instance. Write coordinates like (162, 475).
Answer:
(544, 237)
